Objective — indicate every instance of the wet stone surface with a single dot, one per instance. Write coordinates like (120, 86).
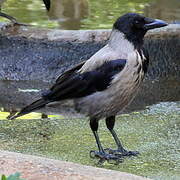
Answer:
(17, 94)
(43, 59)
(24, 59)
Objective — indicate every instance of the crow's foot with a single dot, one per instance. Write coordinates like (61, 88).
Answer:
(121, 153)
(103, 156)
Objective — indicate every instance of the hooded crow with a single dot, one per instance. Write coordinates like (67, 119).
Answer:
(107, 82)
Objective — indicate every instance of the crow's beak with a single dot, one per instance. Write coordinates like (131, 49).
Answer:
(154, 23)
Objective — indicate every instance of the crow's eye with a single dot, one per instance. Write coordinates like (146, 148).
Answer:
(136, 22)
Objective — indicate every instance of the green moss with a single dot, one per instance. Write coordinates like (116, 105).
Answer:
(154, 133)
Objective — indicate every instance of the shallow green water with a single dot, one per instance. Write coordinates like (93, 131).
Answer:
(87, 14)
(154, 133)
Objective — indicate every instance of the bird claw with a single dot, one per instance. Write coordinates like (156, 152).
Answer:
(110, 158)
(92, 154)
(121, 153)
(131, 153)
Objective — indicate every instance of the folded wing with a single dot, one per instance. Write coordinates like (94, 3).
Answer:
(73, 84)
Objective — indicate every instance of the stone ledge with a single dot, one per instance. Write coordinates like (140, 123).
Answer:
(29, 53)
(77, 35)
(40, 168)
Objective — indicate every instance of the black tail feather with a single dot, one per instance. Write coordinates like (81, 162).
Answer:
(30, 108)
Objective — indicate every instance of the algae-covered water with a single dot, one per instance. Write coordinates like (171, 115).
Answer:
(87, 14)
(154, 132)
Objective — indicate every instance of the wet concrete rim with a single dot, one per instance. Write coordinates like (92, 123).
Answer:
(77, 35)
(33, 167)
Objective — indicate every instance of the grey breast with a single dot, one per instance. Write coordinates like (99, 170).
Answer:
(118, 95)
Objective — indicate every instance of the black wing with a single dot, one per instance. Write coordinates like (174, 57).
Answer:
(63, 77)
(73, 84)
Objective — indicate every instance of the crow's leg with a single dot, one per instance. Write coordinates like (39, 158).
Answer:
(101, 154)
(110, 121)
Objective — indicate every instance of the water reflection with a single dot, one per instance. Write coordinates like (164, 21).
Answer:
(88, 14)
(1, 2)
(15, 95)
(8, 112)
(69, 13)
(164, 9)
(12, 19)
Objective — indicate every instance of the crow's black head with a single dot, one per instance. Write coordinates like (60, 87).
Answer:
(135, 26)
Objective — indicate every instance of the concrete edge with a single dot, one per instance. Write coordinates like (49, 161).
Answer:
(76, 35)
(34, 167)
